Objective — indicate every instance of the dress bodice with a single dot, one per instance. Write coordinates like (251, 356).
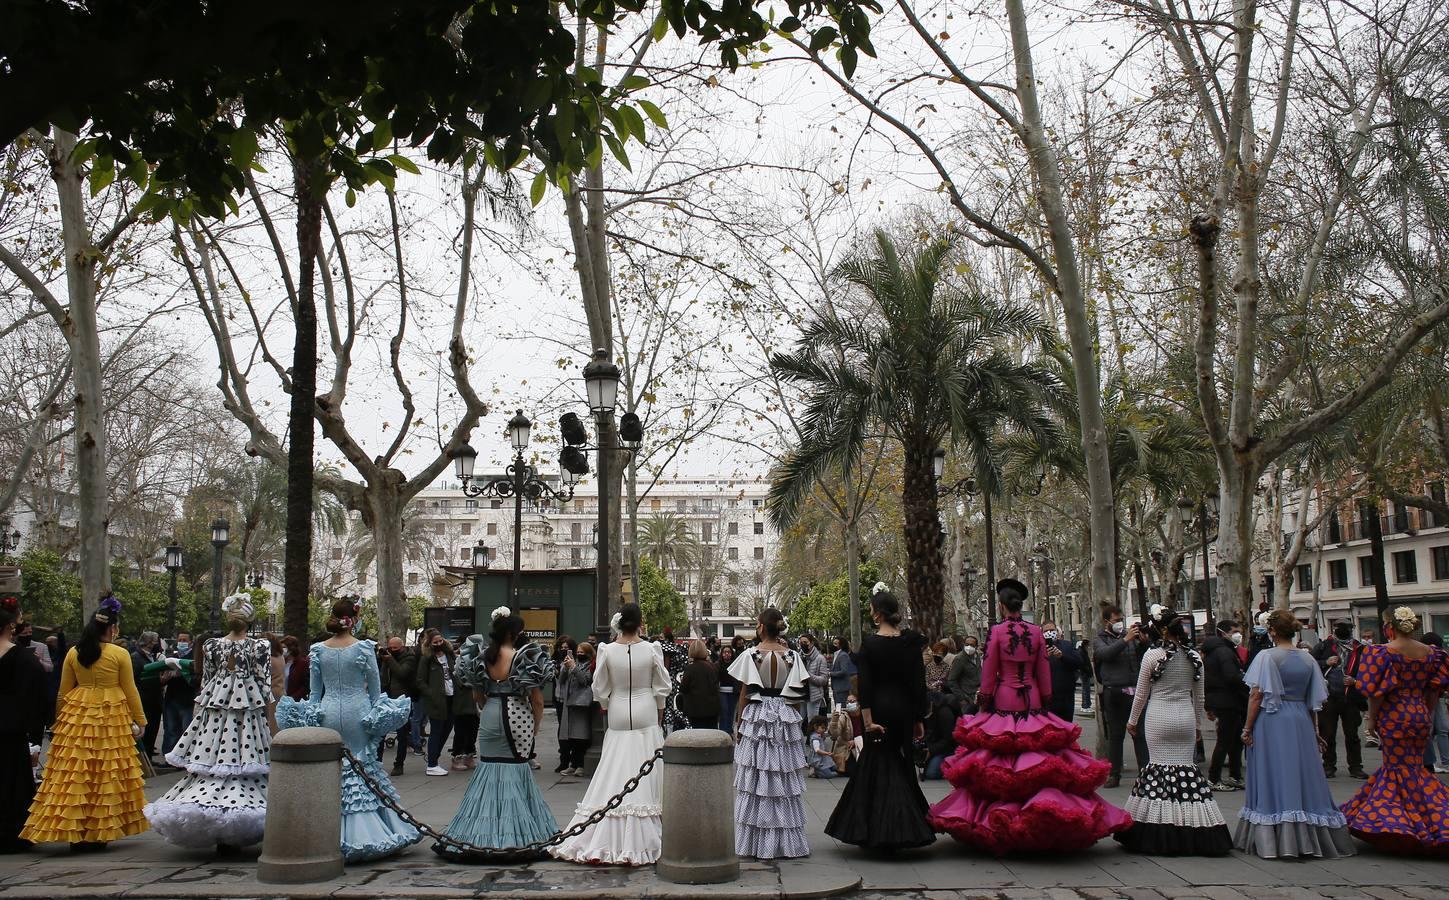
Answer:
(891, 676)
(1283, 675)
(1172, 676)
(531, 667)
(237, 674)
(1016, 674)
(632, 683)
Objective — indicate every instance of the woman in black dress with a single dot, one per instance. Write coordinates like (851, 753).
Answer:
(882, 807)
(22, 684)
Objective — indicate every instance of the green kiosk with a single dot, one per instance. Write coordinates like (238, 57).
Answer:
(551, 601)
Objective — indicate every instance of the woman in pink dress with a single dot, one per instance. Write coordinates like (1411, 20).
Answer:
(1022, 783)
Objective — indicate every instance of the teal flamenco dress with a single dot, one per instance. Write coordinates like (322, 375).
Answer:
(346, 696)
(503, 807)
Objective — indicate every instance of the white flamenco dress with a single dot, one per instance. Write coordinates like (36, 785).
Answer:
(226, 752)
(632, 683)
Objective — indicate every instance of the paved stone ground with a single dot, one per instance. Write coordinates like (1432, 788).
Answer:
(146, 867)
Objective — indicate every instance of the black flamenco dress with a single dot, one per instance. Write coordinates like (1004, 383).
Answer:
(24, 712)
(882, 807)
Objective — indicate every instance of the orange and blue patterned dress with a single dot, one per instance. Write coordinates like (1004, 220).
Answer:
(1403, 808)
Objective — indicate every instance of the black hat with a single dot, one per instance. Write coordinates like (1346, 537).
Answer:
(1011, 584)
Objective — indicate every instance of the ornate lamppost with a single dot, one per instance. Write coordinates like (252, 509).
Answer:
(220, 537)
(1202, 511)
(967, 487)
(173, 565)
(520, 480)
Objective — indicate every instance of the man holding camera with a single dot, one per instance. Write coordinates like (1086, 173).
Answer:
(397, 668)
(1117, 654)
(1338, 657)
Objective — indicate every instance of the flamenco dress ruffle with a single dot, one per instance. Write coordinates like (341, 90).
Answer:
(1402, 809)
(370, 830)
(1022, 785)
(222, 799)
(1173, 814)
(882, 807)
(629, 835)
(769, 811)
(93, 789)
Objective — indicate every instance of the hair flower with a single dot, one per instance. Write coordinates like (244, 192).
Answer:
(880, 588)
(784, 624)
(501, 613)
(614, 622)
(1155, 611)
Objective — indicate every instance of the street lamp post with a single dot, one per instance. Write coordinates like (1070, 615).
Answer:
(220, 537)
(173, 565)
(9, 539)
(967, 487)
(520, 480)
(1044, 562)
(1186, 511)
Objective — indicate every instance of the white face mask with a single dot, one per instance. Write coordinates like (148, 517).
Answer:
(1049, 635)
(1119, 627)
(969, 649)
(852, 707)
(1237, 639)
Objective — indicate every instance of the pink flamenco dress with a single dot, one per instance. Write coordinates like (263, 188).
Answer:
(1402, 808)
(1022, 783)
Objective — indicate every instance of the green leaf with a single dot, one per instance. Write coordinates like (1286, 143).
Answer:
(103, 173)
(617, 148)
(243, 148)
(635, 121)
(535, 191)
(595, 155)
(84, 150)
(402, 162)
(661, 27)
(635, 83)
(847, 60)
(350, 198)
(654, 114)
(822, 38)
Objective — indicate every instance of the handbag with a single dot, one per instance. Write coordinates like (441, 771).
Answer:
(518, 726)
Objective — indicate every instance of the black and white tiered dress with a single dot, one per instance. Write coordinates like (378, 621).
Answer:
(769, 811)
(226, 752)
(1172, 806)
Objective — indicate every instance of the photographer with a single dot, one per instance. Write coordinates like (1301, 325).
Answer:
(397, 667)
(1117, 653)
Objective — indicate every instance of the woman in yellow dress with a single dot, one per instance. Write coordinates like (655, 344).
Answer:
(93, 791)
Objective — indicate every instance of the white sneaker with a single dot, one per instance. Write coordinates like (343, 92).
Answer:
(1441, 770)
(576, 772)
(436, 770)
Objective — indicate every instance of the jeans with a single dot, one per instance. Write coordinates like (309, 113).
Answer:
(465, 736)
(438, 730)
(823, 766)
(417, 717)
(1086, 694)
(933, 768)
(1229, 746)
(812, 709)
(404, 733)
(1117, 708)
(177, 717)
(1436, 751)
(727, 701)
(1338, 710)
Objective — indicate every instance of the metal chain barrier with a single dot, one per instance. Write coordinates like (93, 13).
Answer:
(382, 795)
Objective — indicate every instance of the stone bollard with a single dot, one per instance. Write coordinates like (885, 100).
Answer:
(698, 776)
(303, 837)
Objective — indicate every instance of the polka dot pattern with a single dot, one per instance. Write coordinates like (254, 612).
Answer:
(1402, 808)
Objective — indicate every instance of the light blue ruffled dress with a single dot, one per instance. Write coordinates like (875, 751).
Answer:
(1289, 810)
(502, 807)
(346, 696)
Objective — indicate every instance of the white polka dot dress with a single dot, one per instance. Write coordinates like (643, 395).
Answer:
(226, 752)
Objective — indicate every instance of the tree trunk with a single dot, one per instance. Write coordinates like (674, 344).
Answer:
(923, 542)
(852, 578)
(297, 572)
(1370, 516)
(1235, 545)
(92, 513)
(1081, 330)
(382, 514)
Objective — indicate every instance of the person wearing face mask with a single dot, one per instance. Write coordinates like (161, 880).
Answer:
(1065, 663)
(963, 680)
(1259, 640)
(1345, 704)
(842, 669)
(178, 696)
(1117, 654)
(818, 676)
(1226, 699)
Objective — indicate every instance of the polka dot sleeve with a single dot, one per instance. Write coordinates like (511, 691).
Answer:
(1375, 672)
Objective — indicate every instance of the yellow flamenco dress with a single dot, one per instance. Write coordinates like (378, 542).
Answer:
(93, 790)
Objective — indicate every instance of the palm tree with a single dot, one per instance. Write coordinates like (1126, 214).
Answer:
(922, 360)
(665, 540)
(417, 542)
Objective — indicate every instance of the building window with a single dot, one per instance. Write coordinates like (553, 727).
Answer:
(733, 529)
(362, 578)
(470, 503)
(1366, 571)
(733, 578)
(1337, 574)
(438, 553)
(1440, 556)
(576, 531)
(1335, 529)
(576, 555)
(734, 553)
(336, 553)
(680, 506)
(336, 578)
(759, 553)
(706, 504)
(757, 503)
(466, 554)
(1436, 491)
(412, 578)
(1406, 567)
(496, 504)
(437, 528)
(707, 556)
(492, 528)
(706, 531)
(706, 607)
(467, 528)
(759, 528)
(654, 504)
(1305, 578)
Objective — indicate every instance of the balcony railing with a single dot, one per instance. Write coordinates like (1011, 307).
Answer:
(1408, 521)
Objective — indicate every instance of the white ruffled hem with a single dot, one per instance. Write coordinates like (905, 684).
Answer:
(199, 827)
(623, 809)
(616, 841)
(218, 770)
(1201, 814)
